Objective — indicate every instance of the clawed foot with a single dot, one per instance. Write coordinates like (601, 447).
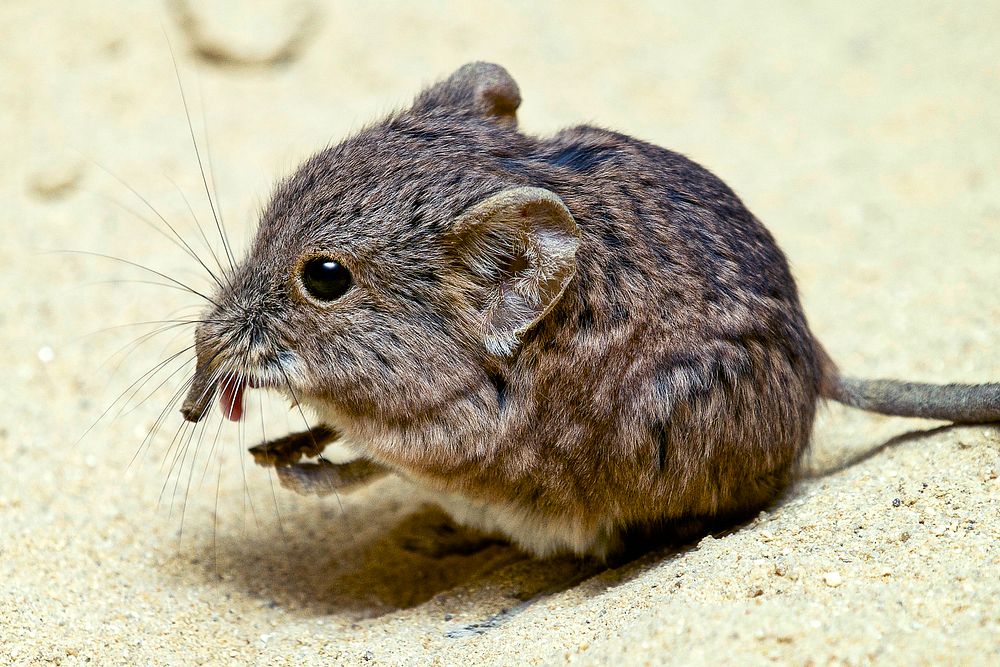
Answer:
(321, 478)
(288, 450)
(324, 478)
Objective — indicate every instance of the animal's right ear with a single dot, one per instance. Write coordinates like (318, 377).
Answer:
(484, 89)
(519, 247)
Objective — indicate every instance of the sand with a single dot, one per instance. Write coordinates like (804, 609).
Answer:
(867, 139)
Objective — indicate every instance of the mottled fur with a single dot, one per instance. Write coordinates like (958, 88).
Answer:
(663, 377)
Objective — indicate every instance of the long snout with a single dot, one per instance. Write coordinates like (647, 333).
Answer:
(201, 394)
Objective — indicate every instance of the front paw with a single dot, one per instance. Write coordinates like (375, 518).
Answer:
(290, 449)
(324, 478)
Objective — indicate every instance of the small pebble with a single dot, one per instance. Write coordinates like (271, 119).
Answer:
(46, 354)
(833, 579)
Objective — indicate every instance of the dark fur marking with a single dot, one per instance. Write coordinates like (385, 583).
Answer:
(581, 158)
(500, 384)
(421, 133)
(680, 198)
(619, 315)
(660, 435)
(613, 239)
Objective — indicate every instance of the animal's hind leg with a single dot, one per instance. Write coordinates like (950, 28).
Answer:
(313, 479)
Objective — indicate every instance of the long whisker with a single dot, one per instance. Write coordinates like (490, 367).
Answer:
(215, 514)
(178, 465)
(241, 432)
(146, 323)
(201, 231)
(219, 377)
(136, 342)
(157, 387)
(182, 452)
(208, 153)
(134, 346)
(177, 239)
(155, 428)
(134, 281)
(186, 288)
(201, 167)
(142, 377)
(178, 438)
(176, 396)
(125, 351)
(270, 474)
(209, 387)
(298, 406)
(187, 489)
(247, 495)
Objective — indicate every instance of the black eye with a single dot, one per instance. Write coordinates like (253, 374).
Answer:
(326, 279)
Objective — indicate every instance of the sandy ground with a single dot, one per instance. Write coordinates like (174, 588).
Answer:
(867, 140)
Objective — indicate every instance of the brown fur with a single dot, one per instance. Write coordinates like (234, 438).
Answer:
(647, 366)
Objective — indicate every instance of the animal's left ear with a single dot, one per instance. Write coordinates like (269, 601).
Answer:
(484, 89)
(520, 248)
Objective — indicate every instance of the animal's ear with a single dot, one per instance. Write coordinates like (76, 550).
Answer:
(484, 89)
(520, 247)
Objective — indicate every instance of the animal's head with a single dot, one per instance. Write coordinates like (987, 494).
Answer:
(390, 269)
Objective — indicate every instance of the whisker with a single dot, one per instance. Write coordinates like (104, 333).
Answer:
(201, 230)
(270, 472)
(201, 167)
(187, 288)
(127, 350)
(208, 153)
(125, 409)
(215, 510)
(247, 495)
(179, 436)
(154, 429)
(182, 455)
(178, 465)
(131, 281)
(157, 387)
(176, 239)
(146, 323)
(298, 406)
(187, 489)
(209, 386)
(110, 407)
(241, 432)
(215, 442)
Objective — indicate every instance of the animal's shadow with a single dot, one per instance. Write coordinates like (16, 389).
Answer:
(310, 566)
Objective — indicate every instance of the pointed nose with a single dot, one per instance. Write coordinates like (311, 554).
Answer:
(200, 395)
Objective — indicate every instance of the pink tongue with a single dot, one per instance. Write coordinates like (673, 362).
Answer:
(231, 402)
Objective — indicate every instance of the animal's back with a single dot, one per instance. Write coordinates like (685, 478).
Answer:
(679, 355)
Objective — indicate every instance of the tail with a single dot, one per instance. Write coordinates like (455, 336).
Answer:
(959, 403)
